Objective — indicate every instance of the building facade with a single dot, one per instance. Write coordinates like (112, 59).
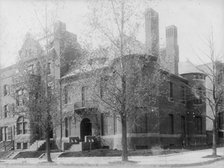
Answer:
(84, 121)
(169, 122)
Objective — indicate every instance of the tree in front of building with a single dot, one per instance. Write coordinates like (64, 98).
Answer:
(39, 101)
(213, 92)
(117, 22)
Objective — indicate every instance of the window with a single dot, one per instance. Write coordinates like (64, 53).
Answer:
(22, 126)
(49, 68)
(221, 120)
(183, 127)
(6, 90)
(171, 92)
(199, 76)
(220, 76)
(171, 118)
(1, 134)
(25, 128)
(103, 85)
(198, 124)
(66, 94)
(30, 69)
(6, 110)
(9, 133)
(104, 124)
(101, 88)
(25, 145)
(198, 99)
(84, 94)
(18, 145)
(115, 124)
(66, 127)
(20, 101)
(141, 124)
(5, 133)
(183, 95)
(49, 91)
(69, 126)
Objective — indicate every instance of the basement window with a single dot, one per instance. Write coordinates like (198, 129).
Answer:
(18, 145)
(25, 145)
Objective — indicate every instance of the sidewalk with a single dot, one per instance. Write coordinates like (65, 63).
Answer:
(177, 159)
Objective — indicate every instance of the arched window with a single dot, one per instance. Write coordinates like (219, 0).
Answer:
(21, 126)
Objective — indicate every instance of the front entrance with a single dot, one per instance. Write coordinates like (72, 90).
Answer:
(85, 128)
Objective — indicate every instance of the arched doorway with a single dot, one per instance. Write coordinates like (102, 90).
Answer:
(85, 128)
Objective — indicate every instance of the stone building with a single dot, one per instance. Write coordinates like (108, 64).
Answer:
(16, 131)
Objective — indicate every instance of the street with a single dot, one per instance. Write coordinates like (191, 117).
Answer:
(217, 164)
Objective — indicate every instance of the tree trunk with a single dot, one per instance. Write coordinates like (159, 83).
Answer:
(124, 138)
(48, 149)
(214, 150)
(124, 121)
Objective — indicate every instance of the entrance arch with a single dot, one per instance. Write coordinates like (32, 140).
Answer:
(85, 128)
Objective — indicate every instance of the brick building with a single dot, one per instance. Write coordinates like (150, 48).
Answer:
(169, 122)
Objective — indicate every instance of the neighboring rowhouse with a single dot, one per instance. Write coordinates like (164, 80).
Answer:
(16, 129)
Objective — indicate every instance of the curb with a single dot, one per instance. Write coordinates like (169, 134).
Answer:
(120, 163)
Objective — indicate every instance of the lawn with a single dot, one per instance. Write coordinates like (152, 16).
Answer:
(110, 152)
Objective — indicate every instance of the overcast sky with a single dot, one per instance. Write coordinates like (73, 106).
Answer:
(195, 20)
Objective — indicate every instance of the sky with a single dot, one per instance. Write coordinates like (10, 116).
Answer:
(195, 20)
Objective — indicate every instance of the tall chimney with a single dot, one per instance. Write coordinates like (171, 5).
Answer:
(172, 49)
(152, 32)
(59, 29)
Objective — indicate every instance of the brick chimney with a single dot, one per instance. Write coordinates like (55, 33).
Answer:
(152, 32)
(172, 49)
(59, 29)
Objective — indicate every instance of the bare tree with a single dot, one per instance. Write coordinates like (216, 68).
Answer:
(124, 84)
(212, 93)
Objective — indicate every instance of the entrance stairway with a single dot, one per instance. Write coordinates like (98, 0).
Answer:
(40, 145)
(54, 155)
(36, 145)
